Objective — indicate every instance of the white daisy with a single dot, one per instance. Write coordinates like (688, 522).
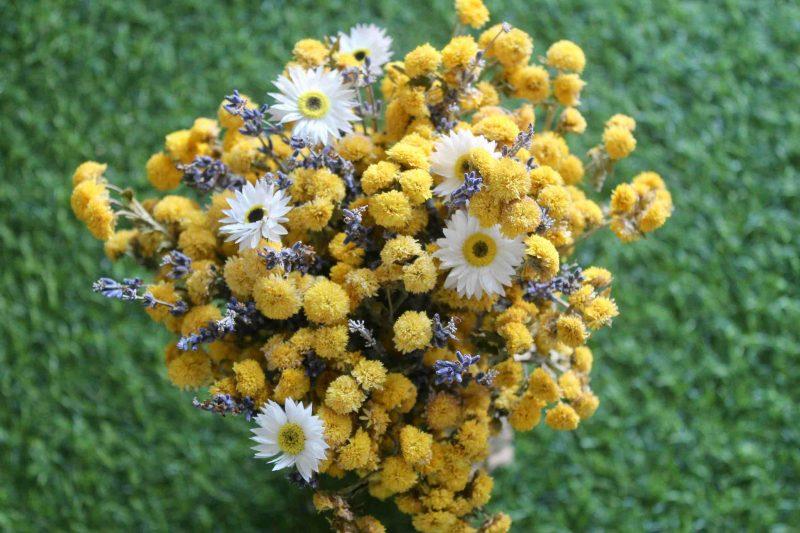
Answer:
(367, 41)
(317, 102)
(294, 435)
(449, 158)
(480, 260)
(256, 211)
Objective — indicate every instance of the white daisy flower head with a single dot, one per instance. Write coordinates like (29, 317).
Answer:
(319, 104)
(450, 158)
(367, 41)
(481, 260)
(291, 435)
(256, 211)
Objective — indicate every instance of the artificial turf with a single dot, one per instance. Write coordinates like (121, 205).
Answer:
(698, 377)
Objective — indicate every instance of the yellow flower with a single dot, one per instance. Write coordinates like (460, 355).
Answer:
(326, 302)
(572, 121)
(499, 523)
(570, 385)
(599, 312)
(518, 338)
(421, 61)
(355, 147)
(554, 199)
(370, 374)
(198, 243)
(509, 375)
(520, 216)
(566, 55)
(343, 395)
(507, 180)
(390, 209)
(242, 271)
(99, 218)
(562, 417)
(420, 276)
(174, 209)
(472, 13)
(512, 49)
(459, 52)
(416, 185)
(355, 454)
(623, 199)
(83, 193)
(443, 411)
(412, 331)
(379, 176)
(473, 438)
(526, 413)
(361, 283)
(119, 243)
(415, 445)
(623, 121)
(582, 359)
(250, 379)
(654, 217)
(549, 149)
(571, 330)
(531, 82)
(397, 392)
(586, 404)
(619, 142)
(434, 522)
(338, 427)
(190, 370)
(88, 171)
(542, 387)
(500, 128)
(408, 155)
(310, 53)
(204, 274)
(294, 383)
(542, 257)
(571, 169)
(397, 475)
(567, 89)
(276, 297)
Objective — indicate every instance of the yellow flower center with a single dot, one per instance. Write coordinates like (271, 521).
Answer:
(256, 213)
(291, 439)
(462, 166)
(361, 54)
(313, 104)
(479, 249)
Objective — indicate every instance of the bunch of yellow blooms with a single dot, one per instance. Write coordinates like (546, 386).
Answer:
(373, 266)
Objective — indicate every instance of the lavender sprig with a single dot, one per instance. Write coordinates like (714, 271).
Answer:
(453, 371)
(546, 223)
(523, 140)
(181, 264)
(459, 198)
(206, 174)
(279, 179)
(566, 282)
(128, 290)
(354, 230)
(442, 333)
(358, 327)
(487, 378)
(223, 404)
(213, 331)
(298, 257)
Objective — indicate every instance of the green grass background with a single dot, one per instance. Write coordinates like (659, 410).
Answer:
(699, 377)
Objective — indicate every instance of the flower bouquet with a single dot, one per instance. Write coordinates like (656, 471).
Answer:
(372, 267)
